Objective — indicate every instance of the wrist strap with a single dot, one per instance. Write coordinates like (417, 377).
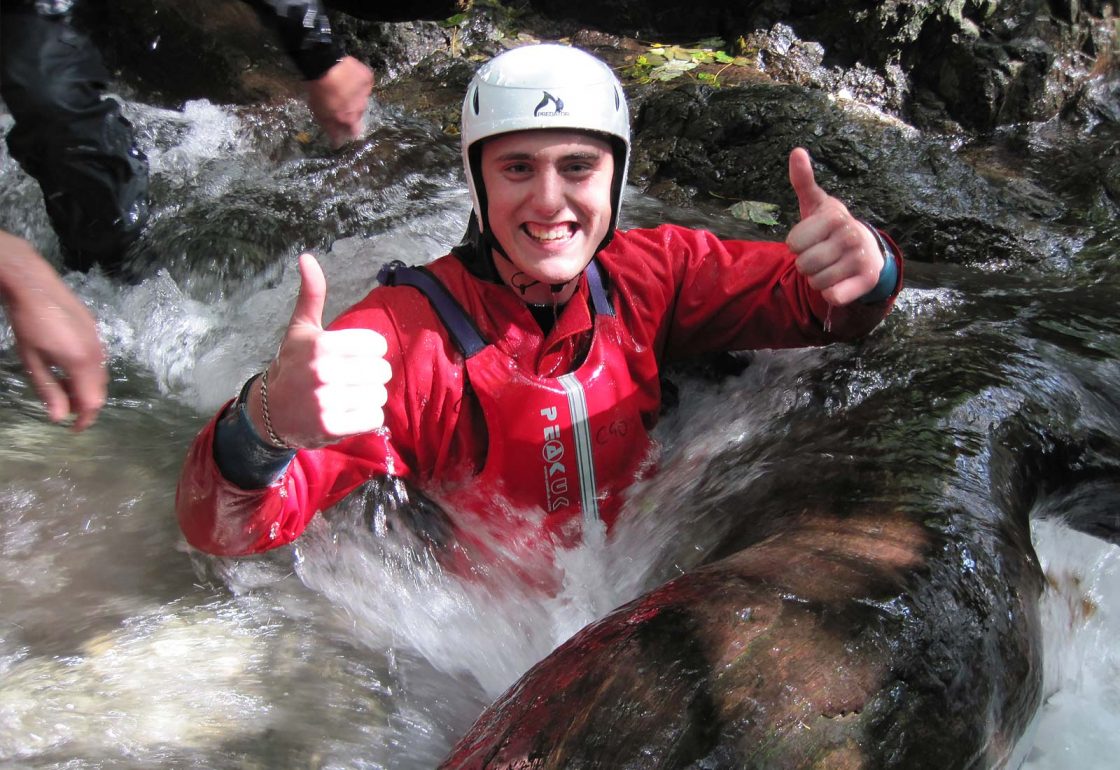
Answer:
(243, 397)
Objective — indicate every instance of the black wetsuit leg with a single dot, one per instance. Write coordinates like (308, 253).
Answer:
(73, 141)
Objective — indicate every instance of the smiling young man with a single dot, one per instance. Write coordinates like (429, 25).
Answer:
(515, 380)
(548, 205)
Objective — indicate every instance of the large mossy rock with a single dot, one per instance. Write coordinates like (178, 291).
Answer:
(734, 143)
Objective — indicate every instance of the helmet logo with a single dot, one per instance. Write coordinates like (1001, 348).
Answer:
(558, 106)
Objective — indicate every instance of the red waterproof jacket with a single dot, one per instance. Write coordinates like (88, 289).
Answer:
(677, 292)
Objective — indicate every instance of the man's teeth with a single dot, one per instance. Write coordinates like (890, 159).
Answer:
(553, 233)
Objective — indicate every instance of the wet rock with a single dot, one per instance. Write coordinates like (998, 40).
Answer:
(734, 144)
(434, 89)
(1083, 168)
(1005, 64)
(392, 49)
(1097, 102)
(379, 10)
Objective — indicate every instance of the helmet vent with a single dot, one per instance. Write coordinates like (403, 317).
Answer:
(617, 100)
(474, 101)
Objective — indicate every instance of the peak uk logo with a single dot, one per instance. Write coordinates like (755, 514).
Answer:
(555, 472)
(557, 106)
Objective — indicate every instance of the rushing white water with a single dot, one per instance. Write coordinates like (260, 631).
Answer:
(1079, 722)
(119, 649)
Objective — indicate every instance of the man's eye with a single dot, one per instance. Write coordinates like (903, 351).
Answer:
(579, 168)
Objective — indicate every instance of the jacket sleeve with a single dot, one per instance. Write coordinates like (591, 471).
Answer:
(304, 30)
(722, 295)
(220, 517)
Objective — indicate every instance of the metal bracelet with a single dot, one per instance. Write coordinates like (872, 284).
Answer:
(272, 435)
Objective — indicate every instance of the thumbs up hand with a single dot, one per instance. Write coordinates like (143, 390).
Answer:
(322, 385)
(835, 251)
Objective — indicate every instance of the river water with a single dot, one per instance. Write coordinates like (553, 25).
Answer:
(120, 648)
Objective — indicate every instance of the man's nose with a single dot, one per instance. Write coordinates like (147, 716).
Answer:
(548, 193)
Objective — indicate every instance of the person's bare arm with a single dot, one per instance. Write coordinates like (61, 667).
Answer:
(56, 335)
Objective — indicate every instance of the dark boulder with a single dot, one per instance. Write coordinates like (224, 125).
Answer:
(733, 144)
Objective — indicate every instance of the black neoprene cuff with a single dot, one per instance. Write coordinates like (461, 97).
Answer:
(242, 455)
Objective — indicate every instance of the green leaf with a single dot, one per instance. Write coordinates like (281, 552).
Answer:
(678, 66)
(724, 58)
(759, 212)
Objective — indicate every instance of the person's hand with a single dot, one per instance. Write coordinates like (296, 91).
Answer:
(56, 336)
(322, 385)
(835, 251)
(339, 98)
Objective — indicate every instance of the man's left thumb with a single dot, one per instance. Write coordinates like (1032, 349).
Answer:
(809, 193)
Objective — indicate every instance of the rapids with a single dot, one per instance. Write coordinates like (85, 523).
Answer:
(120, 648)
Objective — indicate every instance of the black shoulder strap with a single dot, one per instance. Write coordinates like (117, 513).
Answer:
(458, 324)
(599, 299)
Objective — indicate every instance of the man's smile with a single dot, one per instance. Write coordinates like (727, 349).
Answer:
(549, 233)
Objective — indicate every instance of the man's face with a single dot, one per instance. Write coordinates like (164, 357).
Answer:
(548, 199)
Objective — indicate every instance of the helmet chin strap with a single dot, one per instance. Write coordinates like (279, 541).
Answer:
(522, 282)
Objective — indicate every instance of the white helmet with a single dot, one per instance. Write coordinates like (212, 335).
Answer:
(544, 86)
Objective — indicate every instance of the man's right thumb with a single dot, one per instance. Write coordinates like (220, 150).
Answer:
(312, 292)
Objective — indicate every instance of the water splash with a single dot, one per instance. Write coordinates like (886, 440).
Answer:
(1079, 722)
